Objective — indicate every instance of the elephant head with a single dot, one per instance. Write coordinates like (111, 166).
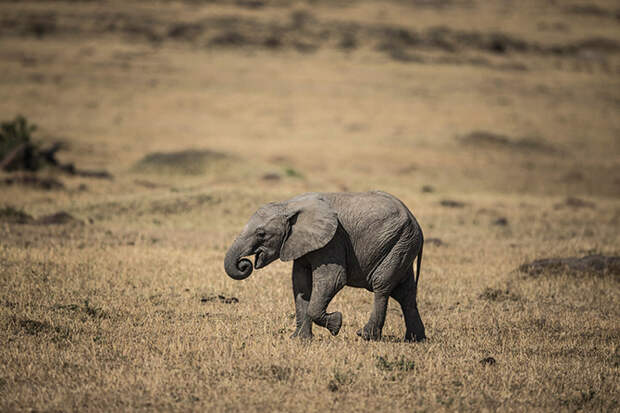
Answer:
(285, 230)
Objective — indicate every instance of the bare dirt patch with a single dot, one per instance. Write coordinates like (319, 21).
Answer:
(149, 184)
(598, 265)
(593, 10)
(451, 203)
(490, 140)
(34, 181)
(437, 242)
(186, 162)
(87, 308)
(575, 203)
(14, 215)
(272, 176)
(58, 218)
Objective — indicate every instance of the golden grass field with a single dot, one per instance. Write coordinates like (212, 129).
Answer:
(510, 109)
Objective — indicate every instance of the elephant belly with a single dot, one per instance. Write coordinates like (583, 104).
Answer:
(358, 280)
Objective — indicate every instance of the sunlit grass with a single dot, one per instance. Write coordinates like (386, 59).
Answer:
(122, 311)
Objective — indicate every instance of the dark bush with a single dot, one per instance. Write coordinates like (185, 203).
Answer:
(16, 142)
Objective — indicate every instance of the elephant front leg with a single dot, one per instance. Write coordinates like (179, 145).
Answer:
(302, 289)
(327, 280)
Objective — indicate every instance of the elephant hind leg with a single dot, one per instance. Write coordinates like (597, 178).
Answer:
(386, 277)
(405, 293)
(372, 329)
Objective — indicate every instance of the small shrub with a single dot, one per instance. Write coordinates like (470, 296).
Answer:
(17, 151)
(292, 173)
(11, 214)
(495, 294)
(488, 361)
(14, 133)
(401, 364)
(94, 312)
(344, 377)
(280, 373)
(341, 379)
(332, 386)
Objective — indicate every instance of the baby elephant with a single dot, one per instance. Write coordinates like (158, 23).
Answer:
(367, 240)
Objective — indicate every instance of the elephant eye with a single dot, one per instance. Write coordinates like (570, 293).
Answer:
(260, 234)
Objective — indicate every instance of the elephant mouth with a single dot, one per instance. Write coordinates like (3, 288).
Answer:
(259, 259)
(263, 258)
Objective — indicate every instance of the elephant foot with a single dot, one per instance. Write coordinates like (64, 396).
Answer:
(369, 333)
(302, 335)
(334, 323)
(412, 337)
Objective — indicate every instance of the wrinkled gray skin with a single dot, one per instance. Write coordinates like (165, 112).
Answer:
(365, 240)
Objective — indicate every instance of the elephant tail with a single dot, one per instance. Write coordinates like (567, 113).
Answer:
(417, 273)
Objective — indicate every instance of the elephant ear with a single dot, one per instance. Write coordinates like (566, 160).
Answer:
(312, 224)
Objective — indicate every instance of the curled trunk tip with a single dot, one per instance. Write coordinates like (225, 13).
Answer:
(235, 266)
(244, 269)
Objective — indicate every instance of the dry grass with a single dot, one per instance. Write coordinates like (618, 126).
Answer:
(118, 309)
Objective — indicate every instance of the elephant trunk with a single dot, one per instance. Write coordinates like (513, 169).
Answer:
(237, 267)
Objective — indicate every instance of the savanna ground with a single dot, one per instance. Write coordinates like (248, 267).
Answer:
(495, 122)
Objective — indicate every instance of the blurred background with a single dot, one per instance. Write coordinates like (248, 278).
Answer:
(482, 96)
